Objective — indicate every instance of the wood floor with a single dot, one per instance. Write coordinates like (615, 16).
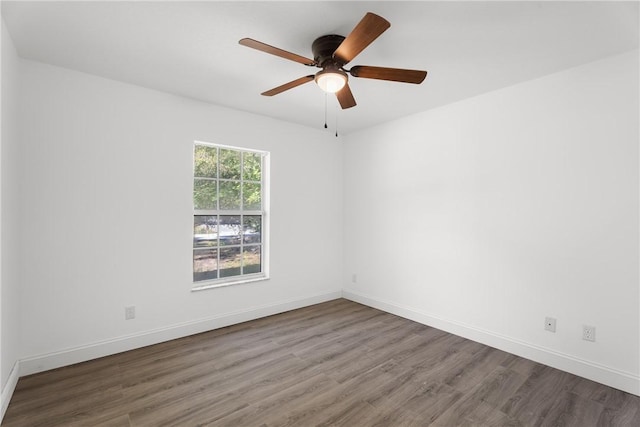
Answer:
(336, 363)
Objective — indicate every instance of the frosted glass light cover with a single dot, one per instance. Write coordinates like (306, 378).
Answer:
(331, 82)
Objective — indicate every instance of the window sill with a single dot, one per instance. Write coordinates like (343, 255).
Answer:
(211, 285)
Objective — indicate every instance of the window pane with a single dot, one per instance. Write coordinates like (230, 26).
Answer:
(205, 161)
(205, 264)
(252, 167)
(228, 213)
(229, 164)
(229, 262)
(252, 229)
(229, 230)
(205, 231)
(229, 195)
(204, 194)
(251, 260)
(251, 196)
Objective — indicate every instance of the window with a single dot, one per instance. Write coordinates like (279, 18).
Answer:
(228, 215)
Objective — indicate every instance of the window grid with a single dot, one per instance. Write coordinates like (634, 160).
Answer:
(243, 246)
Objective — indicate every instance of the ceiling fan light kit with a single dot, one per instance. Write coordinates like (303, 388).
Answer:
(331, 81)
(332, 52)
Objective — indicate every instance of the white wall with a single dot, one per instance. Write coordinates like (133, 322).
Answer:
(484, 216)
(106, 177)
(9, 214)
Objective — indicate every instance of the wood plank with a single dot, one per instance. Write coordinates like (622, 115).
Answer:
(533, 401)
(331, 364)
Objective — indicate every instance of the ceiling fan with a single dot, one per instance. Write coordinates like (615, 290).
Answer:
(332, 52)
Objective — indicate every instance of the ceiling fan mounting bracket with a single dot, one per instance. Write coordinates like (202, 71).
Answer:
(323, 49)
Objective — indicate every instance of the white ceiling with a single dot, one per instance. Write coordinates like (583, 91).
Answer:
(191, 48)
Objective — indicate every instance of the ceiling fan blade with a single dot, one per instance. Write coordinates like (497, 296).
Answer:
(345, 97)
(276, 51)
(367, 30)
(287, 86)
(393, 74)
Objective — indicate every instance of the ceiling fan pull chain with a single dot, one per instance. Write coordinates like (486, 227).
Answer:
(325, 110)
(336, 121)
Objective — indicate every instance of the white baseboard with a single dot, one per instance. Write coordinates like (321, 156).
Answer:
(602, 374)
(44, 362)
(8, 389)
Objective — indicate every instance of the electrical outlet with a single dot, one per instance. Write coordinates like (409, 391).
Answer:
(354, 278)
(130, 312)
(550, 324)
(588, 333)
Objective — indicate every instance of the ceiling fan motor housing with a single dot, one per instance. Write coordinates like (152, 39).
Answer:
(323, 49)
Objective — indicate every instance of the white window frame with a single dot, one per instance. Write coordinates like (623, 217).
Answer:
(264, 212)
